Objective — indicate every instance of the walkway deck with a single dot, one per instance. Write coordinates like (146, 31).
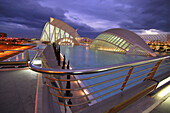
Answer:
(49, 55)
(17, 91)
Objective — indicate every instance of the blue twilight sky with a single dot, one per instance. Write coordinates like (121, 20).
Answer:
(26, 18)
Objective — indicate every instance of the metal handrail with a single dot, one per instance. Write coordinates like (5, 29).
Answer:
(89, 71)
(58, 92)
(86, 78)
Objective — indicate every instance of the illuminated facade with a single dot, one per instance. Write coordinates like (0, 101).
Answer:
(157, 37)
(121, 41)
(84, 41)
(59, 32)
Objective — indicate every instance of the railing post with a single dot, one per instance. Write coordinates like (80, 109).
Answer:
(61, 87)
(127, 77)
(58, 55)
(153, 71)
(64, 62)
(68, 85)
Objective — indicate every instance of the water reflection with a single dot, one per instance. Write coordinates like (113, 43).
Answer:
(84, 57)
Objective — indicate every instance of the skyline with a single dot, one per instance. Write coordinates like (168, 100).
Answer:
(26, 18)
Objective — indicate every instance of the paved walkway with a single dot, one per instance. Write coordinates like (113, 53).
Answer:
(52, 62)
(163, 107)
(154, 104)
(17, 91)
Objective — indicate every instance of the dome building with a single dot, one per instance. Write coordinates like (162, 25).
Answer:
(121, 41)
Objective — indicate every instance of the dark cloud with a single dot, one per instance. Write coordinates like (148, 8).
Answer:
(153, 14)
(28, 17)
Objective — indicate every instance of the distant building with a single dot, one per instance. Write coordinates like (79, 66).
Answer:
(156, 37)
(59, 32)
(2, 35)
(122, 41)
(84, 40)
(168, 38)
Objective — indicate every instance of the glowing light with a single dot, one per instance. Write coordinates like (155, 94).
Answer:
(82, 92)
(102, 69)
(51, 19)
(164, 92)
(22, 56)
(37, 62)
(86, 92)
(17, 58)
(79, 81)
(163, 82)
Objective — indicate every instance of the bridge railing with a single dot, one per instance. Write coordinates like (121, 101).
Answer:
(80, 88)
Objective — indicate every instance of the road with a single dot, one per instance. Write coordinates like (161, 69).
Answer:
(17, 91)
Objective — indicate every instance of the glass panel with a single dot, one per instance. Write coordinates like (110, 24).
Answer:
(59, 34)
(127, 49)
(52, 33)
(47, 31)
(62, 33)
(109, 38)
(119, 41)
(112, 39)
(51, 29)
(116, 40)
(57, 30)
(126, 44)
(67, 35)
(120, 45)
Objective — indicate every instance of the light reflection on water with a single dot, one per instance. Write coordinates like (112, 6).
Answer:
(84, 57)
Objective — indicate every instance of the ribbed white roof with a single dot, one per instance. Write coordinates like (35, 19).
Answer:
(129, 36)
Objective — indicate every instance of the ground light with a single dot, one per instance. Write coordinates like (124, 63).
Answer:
(164, 91)
(36, 62)
(163, 82)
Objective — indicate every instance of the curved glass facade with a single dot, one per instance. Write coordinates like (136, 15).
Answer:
(121, 41)
(110, 42)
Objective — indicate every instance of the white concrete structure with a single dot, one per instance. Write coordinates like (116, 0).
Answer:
(59, 32)
(122, 41)
(157, 37)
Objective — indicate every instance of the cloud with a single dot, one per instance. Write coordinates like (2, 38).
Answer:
(88, 16)
(31, 16)
(25, 15)
(153, 14)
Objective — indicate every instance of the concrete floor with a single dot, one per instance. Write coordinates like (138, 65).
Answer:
(164, 107)
(152, 104)
(17, 91)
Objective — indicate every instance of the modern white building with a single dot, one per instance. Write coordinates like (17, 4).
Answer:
(59, 32)
(155, 37)
(122, 41)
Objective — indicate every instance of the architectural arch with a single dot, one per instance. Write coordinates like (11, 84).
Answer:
(57, 31)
